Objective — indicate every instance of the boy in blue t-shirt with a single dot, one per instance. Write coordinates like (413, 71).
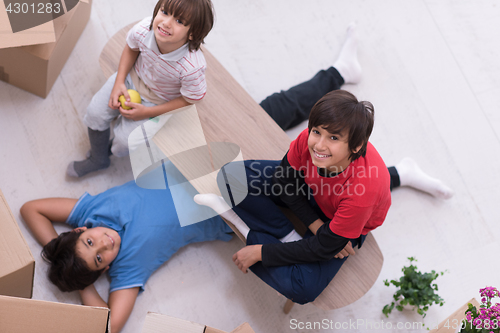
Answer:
(127, 230)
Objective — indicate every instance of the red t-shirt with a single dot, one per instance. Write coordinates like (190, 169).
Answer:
(357, 200)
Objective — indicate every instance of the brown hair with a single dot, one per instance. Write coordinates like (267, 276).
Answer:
(198, 14)
(67, 270)
(340, 110)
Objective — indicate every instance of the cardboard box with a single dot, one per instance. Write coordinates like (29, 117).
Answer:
(450, 324)
(35, 68)
(17, 266)
(158, 323)
(20, 315)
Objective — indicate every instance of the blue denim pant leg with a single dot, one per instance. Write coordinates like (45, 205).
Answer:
(301, 283)
(260, 208)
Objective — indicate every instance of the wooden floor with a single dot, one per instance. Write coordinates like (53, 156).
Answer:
(431, 69)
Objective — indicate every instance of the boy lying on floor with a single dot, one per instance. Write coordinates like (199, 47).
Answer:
(127, 231)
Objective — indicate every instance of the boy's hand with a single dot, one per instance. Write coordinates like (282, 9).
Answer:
(346, 251)
(137, 111)
(247, 256)
(118, 90)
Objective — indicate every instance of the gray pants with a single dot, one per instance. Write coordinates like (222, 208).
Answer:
(100, 116)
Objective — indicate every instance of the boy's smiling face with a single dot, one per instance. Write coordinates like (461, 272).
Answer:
(329, 150)
(98, 246)
(170, 32)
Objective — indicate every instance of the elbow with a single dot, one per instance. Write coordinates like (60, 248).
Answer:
(26, 209)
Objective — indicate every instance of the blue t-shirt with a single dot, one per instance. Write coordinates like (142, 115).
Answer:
(147, 223)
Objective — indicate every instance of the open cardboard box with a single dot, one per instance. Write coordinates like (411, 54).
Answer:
(36, 64)
(158, 323)
(17, 266)
(20, 315)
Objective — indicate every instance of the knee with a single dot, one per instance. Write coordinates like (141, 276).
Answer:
(95, 119)
(305, 294)
(232, 182)
(119, 149)
(305, 285)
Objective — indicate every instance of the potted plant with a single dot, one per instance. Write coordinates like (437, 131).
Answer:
(484, 319)
(415, 290)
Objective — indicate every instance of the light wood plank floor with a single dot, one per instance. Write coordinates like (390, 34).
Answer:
(431, 69)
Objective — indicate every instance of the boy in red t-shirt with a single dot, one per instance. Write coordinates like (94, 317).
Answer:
(334, 181)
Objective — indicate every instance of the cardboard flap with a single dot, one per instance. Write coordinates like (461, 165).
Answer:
(18, 283)
(243, 328)
(47, 32)
(19, 315)
(209, 329)
(43, 33)
(14, 250)
(158, 323)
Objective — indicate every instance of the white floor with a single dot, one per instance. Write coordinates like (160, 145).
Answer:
(431, 69)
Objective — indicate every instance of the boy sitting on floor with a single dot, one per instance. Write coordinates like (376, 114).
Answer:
(163, 62)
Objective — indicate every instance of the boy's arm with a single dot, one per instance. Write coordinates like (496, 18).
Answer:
(139, 111)
(321, 247)
(127, 60)
(121, 303)
(39, 215)
(294, 192)
(192, 90)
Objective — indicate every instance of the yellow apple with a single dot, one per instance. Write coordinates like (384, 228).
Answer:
(134, 98)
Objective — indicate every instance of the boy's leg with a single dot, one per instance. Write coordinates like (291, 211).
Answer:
(99, 157)
(98, 120)
(290, 108)
(395, 181)
(301, 283)
(99, 115)
(259, 209)
(130, 134)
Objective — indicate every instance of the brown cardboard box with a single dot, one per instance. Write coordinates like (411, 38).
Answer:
(450, 324)
(17, 265)
(158, 323)
(20, 315)
(39, 34)
(35, 68)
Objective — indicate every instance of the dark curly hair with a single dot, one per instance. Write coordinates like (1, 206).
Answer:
(198, 14)
(67, 270)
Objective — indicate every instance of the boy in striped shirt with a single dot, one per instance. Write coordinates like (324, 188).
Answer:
(163, 62)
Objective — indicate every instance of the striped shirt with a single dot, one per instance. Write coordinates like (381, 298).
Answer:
(171, 75)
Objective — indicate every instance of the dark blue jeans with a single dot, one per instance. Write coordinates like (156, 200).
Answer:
(301, 283)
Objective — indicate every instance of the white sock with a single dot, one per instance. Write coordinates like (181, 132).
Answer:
(347, 63)
(411, 175)
(291, 237)
(218, 204)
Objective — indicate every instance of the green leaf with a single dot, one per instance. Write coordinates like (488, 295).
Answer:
(388, 309)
